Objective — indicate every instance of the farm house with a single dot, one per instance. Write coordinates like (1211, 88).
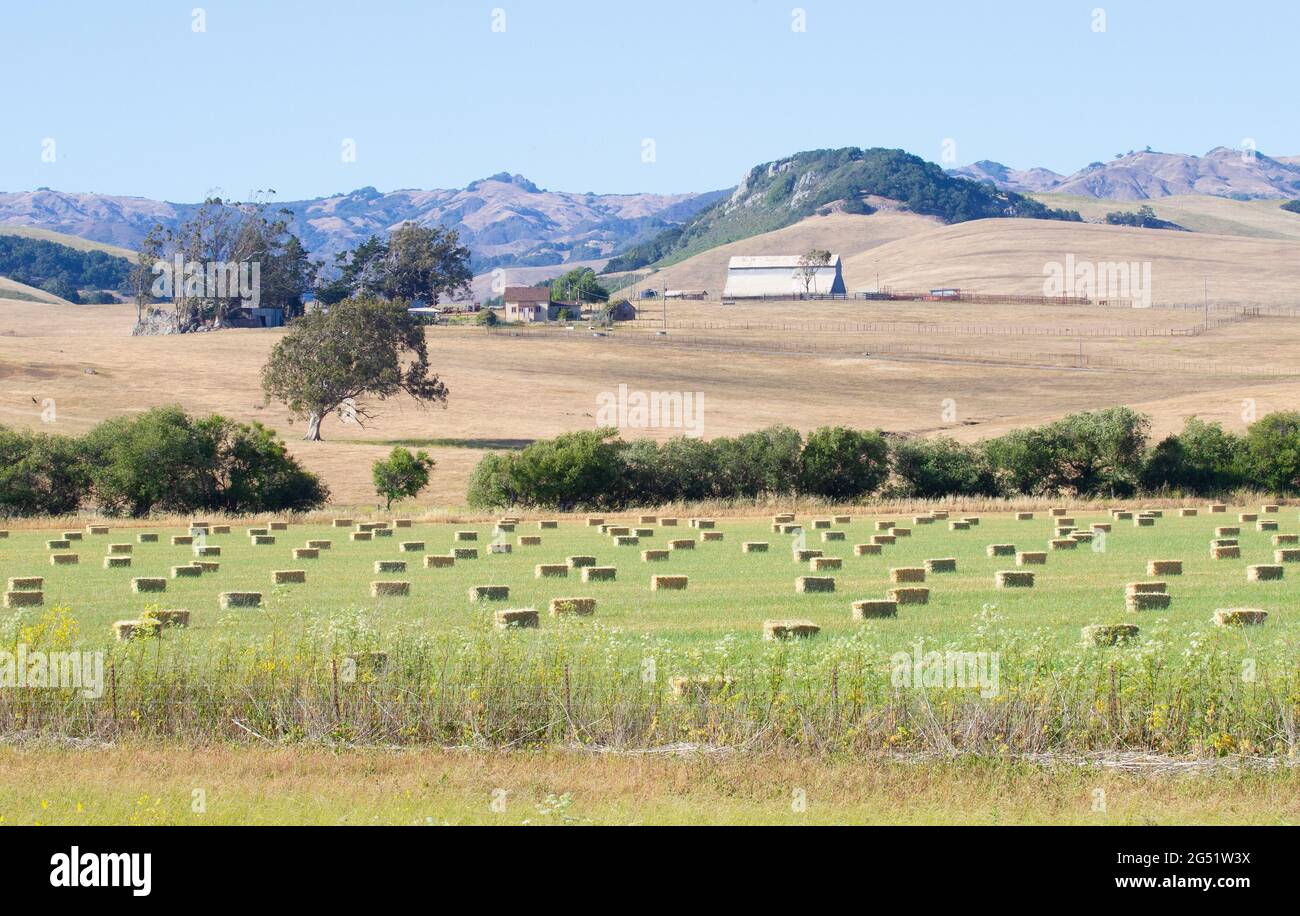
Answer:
(779, 276)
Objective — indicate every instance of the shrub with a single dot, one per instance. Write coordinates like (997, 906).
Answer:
(1271, 452)
(40, 474)
(1203, 459)
(402, 475)
(167, 461)
(842, 463)
(944, 467)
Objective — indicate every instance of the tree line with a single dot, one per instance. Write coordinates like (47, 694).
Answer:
(1104, 454)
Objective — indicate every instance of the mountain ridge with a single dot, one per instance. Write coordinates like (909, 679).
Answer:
(505, 219)
(1148, 175)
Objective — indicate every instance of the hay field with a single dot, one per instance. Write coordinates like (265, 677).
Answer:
(651, 667)
(730, 592)
(510, 389)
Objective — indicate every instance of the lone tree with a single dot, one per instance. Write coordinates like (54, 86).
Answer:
(359, 348)
(402, 475)
(810, 262)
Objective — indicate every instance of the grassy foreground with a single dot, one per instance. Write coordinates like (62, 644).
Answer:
(159, 783)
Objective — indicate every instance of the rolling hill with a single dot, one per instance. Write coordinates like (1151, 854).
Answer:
(1007, 256)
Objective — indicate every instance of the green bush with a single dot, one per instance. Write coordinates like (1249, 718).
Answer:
(842, 463)
(167, 461)
(1201, 460)
(402, 475)
(1272, 452)
(931, 468)
(40, 474)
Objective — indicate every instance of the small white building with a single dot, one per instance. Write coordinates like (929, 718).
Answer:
(781, 275)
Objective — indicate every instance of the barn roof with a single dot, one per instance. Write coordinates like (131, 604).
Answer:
(527, 294)
(791, 261)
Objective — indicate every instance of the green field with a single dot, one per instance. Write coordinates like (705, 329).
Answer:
(730, 593)
(1184, 685)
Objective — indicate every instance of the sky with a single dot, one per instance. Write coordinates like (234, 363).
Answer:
(177, 100)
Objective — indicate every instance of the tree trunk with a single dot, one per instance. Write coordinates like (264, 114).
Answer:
(313, 427)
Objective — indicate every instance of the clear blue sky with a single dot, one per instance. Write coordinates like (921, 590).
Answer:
(139, 103)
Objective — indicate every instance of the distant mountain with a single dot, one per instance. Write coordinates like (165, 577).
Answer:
(1028, 181)
(1222, 172)
(780, 193)
(504, 219)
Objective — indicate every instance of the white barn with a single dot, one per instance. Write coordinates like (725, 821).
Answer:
(780, 275)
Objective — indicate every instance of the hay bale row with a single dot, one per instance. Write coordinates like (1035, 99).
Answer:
(147, 537)
(754, 547)
(188, 571)
(681, 544)
(941, 565)
(306, 553)
(1137, 588)
(1031, 558)
(489, 593)
(146, 584)
(808, 584)
(1000, 550)
(711, 536)
(828, 536)
(464, 553)
(1063, 543)
(438, 561)
(867, 550)
(26, 583)
(817, 564)
(390, 566)
(1164, 567)
(117, 562)
(578, 562)
(1226, 552)
(550, 571)
(24, 598)
(599, 573)
(655, 556)
(883, 539)
(913, 594)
